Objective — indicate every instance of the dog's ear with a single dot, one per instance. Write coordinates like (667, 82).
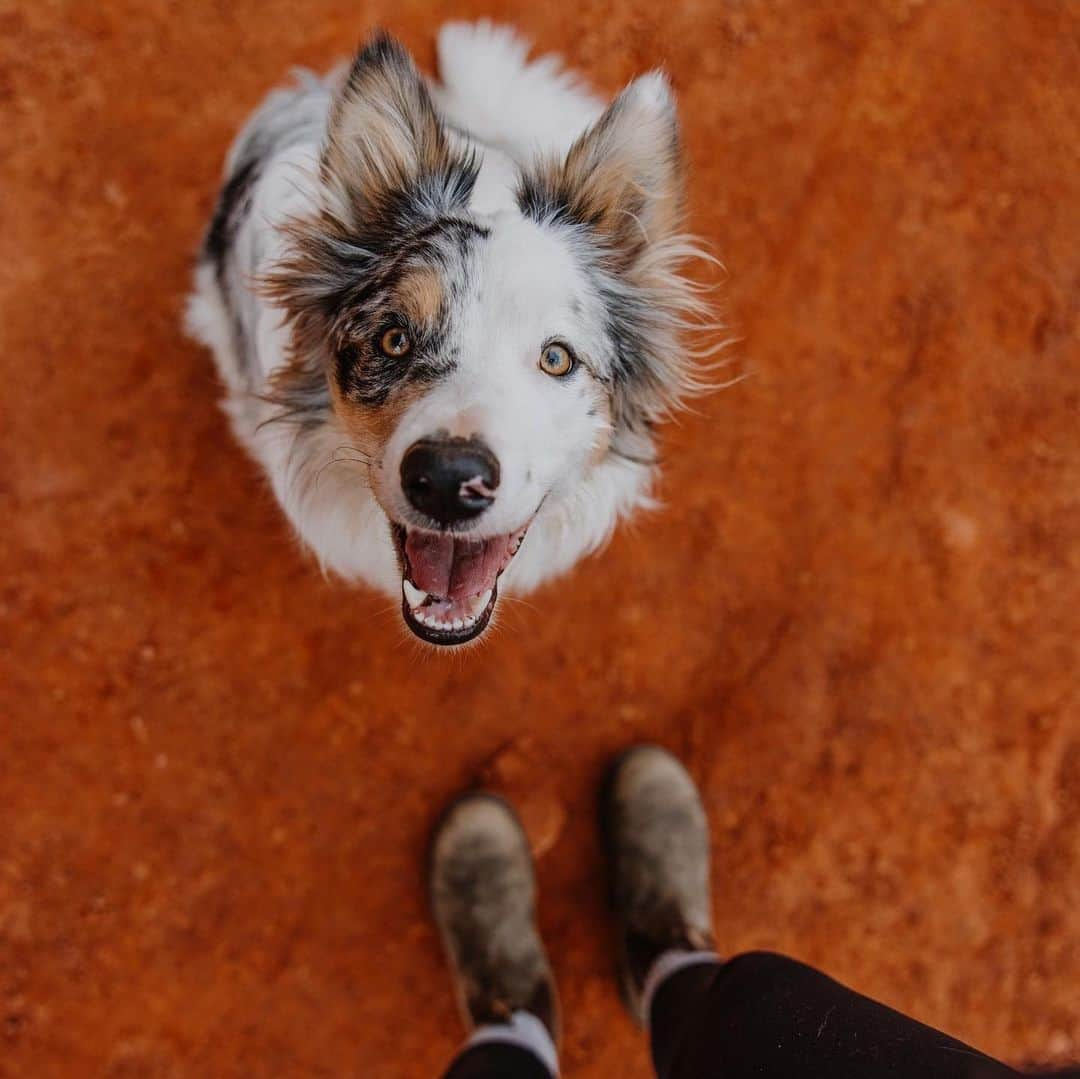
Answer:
(623, 182)
(624, 177)
(385, 143)
(386, 169)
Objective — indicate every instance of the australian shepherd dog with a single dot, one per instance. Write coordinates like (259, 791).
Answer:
(448, 315)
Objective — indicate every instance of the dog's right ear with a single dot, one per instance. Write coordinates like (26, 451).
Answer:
(384, 141)
(622, 179)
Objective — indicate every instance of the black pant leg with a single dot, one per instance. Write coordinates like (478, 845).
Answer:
(677, 1001)
(494, 1060)
(762, 1016)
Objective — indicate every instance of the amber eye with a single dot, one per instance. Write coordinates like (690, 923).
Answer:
(395, 342)
(556, 360)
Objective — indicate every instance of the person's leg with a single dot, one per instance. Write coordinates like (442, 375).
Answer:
(758, 1015)
(762, 1015)
(514, 1050)
(672, 1000)
(483, 895)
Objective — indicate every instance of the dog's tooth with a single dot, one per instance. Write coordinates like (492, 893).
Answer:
(458, 624)
(413, 595)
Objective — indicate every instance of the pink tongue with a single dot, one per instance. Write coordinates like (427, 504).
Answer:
(454, 568)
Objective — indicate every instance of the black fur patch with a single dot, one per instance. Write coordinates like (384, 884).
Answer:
(233, 205)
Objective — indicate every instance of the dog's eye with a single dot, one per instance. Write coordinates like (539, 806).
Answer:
(395, 342)
(556, 360)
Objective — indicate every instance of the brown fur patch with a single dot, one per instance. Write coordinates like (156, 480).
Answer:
(421, 295)
(370, 428)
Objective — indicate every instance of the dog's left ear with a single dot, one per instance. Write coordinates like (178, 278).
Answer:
(385, 143)
(624, 177)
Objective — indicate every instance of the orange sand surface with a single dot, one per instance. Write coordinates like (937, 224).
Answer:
(856, 615)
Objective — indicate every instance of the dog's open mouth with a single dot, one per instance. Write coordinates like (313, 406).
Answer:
(450, 582)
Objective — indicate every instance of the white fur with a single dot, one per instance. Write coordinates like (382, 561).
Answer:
(489, 87)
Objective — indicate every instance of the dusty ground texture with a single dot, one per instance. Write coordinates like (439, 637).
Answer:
(857, 617)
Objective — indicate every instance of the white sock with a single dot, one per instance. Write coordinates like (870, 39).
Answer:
(664, 966)
(524, 1030)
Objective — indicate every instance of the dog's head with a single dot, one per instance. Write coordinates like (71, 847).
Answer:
(484, 364)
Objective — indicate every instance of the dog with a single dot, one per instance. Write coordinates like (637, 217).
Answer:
(448, 314)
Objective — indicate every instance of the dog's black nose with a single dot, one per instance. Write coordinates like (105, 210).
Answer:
(449, 479)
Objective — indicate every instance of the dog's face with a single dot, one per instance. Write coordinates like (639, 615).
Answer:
(483, 364)
(471, 386)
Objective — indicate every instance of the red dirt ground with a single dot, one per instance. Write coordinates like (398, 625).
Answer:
(857, 616)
